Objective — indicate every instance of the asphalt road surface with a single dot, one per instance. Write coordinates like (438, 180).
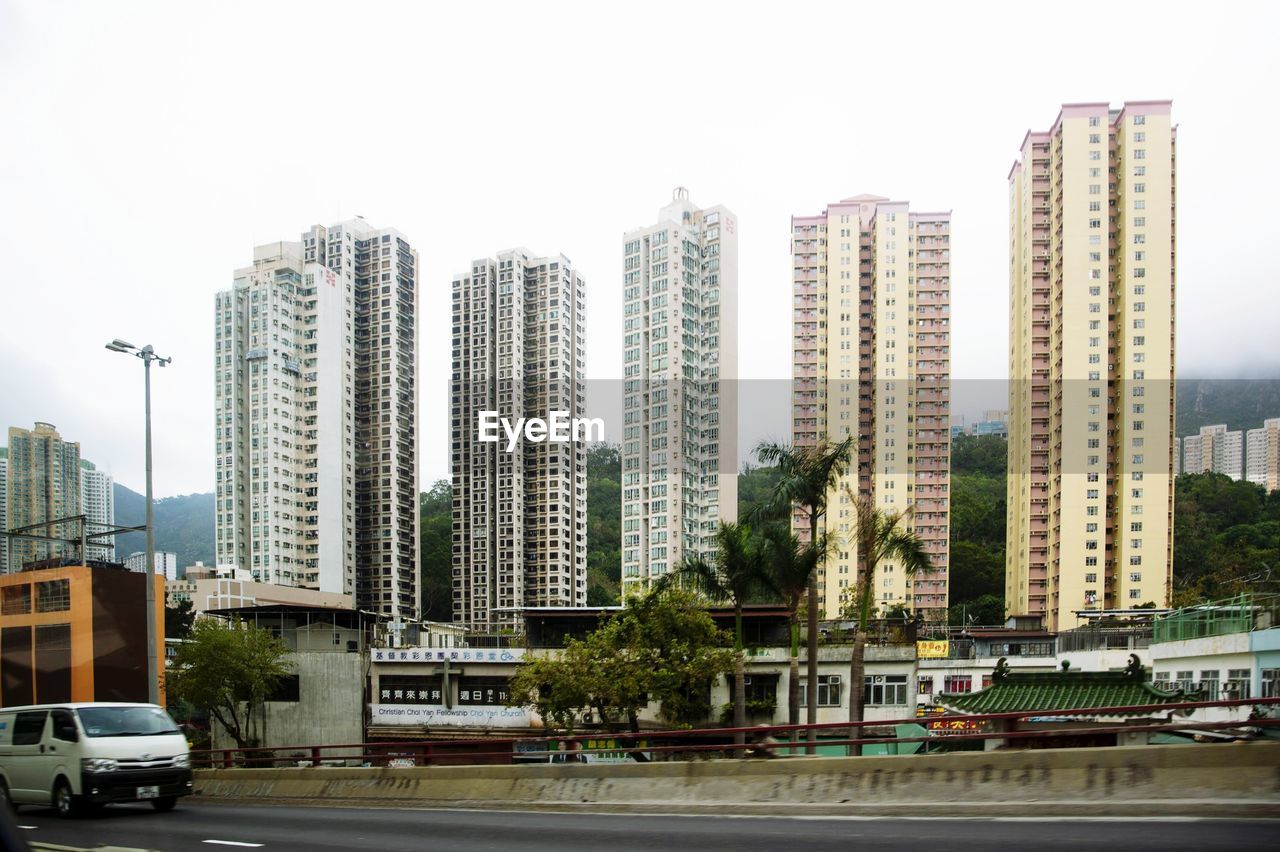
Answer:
(209, 827)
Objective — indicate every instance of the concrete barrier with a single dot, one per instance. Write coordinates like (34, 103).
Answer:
(1241, 779)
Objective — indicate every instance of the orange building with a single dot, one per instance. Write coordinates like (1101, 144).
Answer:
(75, 634)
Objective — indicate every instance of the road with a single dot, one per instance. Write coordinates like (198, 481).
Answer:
(206, 827)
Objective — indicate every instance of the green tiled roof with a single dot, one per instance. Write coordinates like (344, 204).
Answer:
(1062, 690)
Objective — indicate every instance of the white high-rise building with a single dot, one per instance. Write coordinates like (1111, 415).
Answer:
(98, 503)
(316, 438)
(166, 563)
(1263, 458)
(1214, 450)
(680, 368)
(519, 508)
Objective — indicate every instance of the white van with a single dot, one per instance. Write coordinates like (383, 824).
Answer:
(80, 756)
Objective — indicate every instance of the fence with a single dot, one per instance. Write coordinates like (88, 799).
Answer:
(1240, 614)
(946, 733)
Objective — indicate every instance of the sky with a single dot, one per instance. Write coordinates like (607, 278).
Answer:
(146, 148)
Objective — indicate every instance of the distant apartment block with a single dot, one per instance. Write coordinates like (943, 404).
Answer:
(1092, 256)
(680, 403)
(1214, 450)
(166, 563)
(871, 348)
(315, 425)
(42, 484)
(520, 507)
(1264, 455)
(98, 504)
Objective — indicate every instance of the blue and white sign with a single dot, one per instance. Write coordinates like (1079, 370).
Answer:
(458, 717)
(453, 655)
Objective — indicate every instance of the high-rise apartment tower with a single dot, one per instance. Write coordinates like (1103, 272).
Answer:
(680, 370)
(1091, 362)
(315, 422)
(42, 484)
(871, 359)
(519, 505)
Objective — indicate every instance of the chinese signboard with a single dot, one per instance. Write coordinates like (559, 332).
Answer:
(952, 726)
(453, 655)
(932, 649)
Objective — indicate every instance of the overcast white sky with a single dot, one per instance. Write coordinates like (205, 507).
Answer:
(146, 148)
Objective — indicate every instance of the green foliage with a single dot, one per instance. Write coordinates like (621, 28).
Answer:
(604, 525)
(756, 487)
(178, 620)
(1226, 538)
(435, 551)
(184, 525)
(227, 671)
(662, 647)
(978, 515)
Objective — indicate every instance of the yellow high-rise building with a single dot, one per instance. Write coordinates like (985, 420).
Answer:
(871, 349)
(1092, 280)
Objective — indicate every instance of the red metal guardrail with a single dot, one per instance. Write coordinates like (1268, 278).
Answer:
(762, 740)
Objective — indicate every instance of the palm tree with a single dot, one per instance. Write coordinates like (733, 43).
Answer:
(736, 575)
(879, 536)
(789, 565)
(807, 475)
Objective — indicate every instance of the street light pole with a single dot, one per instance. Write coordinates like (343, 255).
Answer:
(148, 354)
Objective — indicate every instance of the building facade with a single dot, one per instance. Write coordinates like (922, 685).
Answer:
(98, 503)
(871, 359)
(42, 484)
(1214, 450)
(1263, 458)
(519, 505)
(166, 563)
(4, 508)
(680, 404)
(1091, 362)
(315, 420)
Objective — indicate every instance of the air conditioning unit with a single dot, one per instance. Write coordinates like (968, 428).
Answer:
(746, 680)
(834, 679)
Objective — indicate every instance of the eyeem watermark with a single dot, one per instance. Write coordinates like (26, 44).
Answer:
(559, 428)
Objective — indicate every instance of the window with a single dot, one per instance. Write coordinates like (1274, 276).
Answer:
(1091, 578)
(1139, 119)
(64, 726)
(828, 691)
(924, 685)
(1238, 683)
(957, 683)
(1209, 683)
(1271, 683)
(53, 595)
(884, 689)
(16, 600)
(1135, 576)
(28, 727)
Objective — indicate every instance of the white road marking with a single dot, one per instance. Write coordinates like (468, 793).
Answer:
(231, 843)
(29, 827)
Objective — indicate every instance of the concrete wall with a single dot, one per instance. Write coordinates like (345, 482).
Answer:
(330, 708)
(1242, 779)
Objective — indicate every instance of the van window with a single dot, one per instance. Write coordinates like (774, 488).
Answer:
(28, 728)
(64, 726)
(126, 721)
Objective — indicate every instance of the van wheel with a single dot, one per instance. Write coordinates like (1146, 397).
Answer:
(64, 801)
(164, 803)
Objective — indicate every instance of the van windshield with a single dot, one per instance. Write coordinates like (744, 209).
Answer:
(126, 722)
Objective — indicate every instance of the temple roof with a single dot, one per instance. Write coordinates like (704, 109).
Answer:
(1063, 690)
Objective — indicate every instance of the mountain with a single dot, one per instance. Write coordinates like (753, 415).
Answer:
(184, 525)
(1239, 403)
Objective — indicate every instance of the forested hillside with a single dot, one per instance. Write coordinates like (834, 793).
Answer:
(184, 525)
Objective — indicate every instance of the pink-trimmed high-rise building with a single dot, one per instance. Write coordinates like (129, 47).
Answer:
(871, 344)
(1092, 206)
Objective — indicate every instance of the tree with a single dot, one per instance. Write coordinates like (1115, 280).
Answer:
(788, 566)
(662, 647)
(880, 536)
(604, 525)
(228, 670)
(806, 476)
(178, 620)
(435, 551)
(736, 575)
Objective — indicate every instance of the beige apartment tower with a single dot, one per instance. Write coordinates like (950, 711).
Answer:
(1263, 460)
(1092, 272)
(871, 349)
(1214, 450)
(519, 506)
(42, 483)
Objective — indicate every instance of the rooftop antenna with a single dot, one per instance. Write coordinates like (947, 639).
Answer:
(680, 194)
